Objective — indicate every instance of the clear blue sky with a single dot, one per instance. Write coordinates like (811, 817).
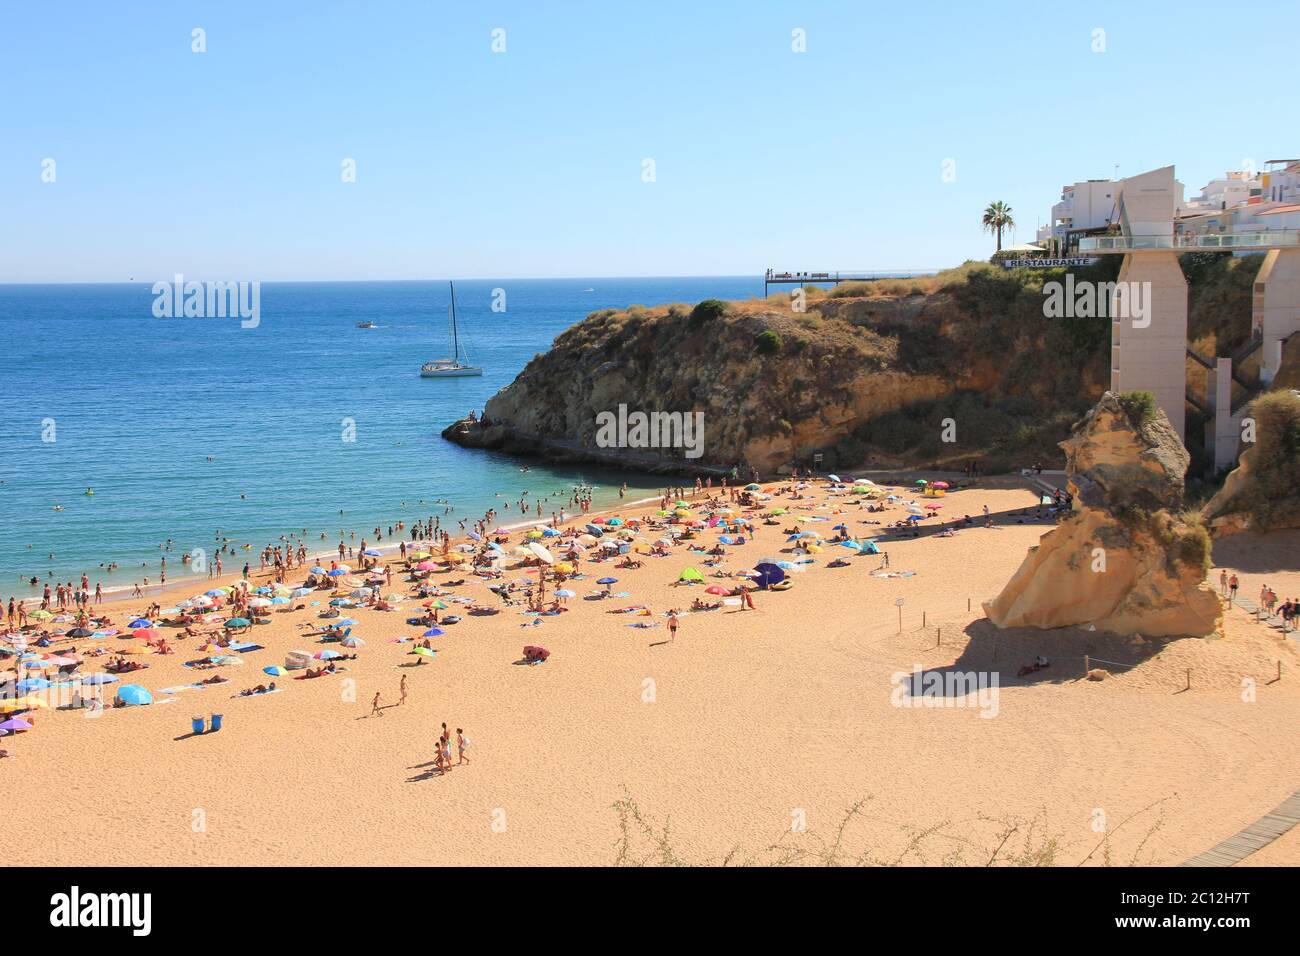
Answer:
(227, 164)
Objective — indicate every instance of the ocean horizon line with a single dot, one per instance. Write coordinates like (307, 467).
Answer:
(574, 278)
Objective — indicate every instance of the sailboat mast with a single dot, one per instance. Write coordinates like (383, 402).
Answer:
(455, 335)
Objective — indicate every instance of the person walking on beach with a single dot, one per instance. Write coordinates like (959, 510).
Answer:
(402, 690)
(1223, 582)
(462, 744)
(672, 625)
(374, 706)
(1233, 584)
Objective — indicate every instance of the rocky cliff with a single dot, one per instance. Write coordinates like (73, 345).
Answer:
(967, 369)
(1263, 492)
(1125, 560)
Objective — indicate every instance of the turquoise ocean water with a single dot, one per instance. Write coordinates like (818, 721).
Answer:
(171, 421)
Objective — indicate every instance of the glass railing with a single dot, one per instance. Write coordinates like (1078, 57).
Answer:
(1275, 239)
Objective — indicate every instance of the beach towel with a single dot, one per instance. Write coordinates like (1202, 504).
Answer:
(245, 646)
(184, 687)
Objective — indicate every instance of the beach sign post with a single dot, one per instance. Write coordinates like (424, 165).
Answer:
(898, 603)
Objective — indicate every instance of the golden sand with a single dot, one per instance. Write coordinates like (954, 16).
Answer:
(746, 729)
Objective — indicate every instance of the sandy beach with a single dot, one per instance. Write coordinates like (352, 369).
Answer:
(748, 739)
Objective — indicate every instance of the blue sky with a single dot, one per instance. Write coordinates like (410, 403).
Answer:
(470, 163)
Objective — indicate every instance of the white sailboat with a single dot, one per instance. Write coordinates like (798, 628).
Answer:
(452, 367)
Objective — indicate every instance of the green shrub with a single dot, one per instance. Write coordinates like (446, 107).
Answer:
(710, 310)
(1140, 407)
(767, 343)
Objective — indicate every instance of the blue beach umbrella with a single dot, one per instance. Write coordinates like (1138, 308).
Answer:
(33, 683)
(279, 600)
(93, 679)
(133, 695)
(434, 632)
(607, 580)
(371, 553)
(344, 622)
(336, 573)
(318, 570)
(140, 622)
(550, 533)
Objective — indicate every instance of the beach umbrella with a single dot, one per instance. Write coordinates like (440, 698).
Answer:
(15, 724)
(607, 580)
(275, 670)
(279, 600)
(31, 684)
(327, 655)
(101, 678)
(921, 482)
(434, 632)
(344, 622)
(318, 569)
(80, 632)
(337, 572)
(565, 593)
(785, 565)
(41, 615)
(595, 530)
(424, 651)
(133, 695)
(300, 592)
(353, 642)
(372, 553)
(615, 522)
(550, 533)
(140, 622)
(833, 477)
(753, 487)
(940, 484)
(238, 622)
(542, 553)
(933, 507)
(716, 589)
(768, 573)
(258, 602)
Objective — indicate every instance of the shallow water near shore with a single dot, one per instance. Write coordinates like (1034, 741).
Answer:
(186, 427)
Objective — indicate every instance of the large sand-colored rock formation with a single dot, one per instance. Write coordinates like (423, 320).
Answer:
(1125, 561)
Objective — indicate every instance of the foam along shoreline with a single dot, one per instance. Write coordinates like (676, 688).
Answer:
(119, 593)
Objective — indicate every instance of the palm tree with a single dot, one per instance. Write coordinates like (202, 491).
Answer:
(996, 218)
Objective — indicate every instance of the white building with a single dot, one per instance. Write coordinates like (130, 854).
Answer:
(1234, 189)
(1084, 207)
(1280, 181)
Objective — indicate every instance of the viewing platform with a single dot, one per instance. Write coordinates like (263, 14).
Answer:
(772, 277)
(1228, 242)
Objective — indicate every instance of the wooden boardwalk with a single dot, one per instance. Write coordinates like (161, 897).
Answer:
(1256, 836)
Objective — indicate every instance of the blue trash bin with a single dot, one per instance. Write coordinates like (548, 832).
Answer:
(216, 722)
(196, 724)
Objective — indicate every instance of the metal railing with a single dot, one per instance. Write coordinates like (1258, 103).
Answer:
(1276, 239)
